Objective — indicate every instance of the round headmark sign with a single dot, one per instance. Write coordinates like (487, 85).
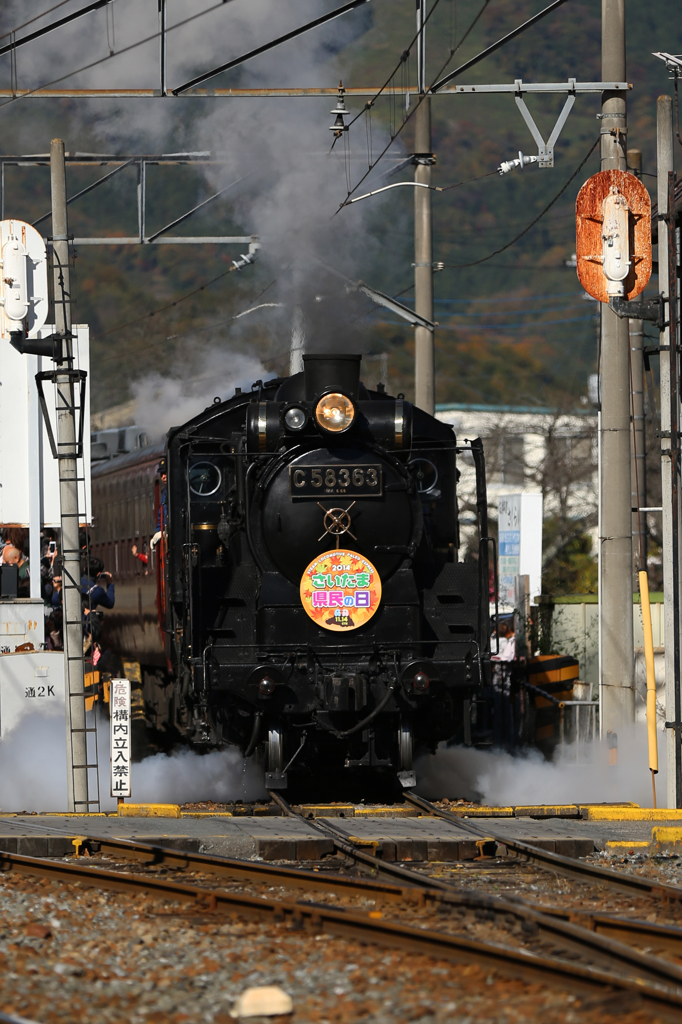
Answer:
(340, 590)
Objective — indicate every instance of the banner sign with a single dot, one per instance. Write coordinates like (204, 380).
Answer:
(121, 747)
(519, 545)
(340, 590)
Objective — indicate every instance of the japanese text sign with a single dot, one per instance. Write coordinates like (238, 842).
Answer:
(340, 590)
(121, 748)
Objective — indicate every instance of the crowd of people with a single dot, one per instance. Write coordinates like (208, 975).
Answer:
(96, 586)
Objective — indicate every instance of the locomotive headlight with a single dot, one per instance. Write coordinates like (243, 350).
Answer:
(295, 418)
(335, 413)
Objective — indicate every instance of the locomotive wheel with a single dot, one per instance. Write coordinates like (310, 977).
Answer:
(275, 749)
(405, 745)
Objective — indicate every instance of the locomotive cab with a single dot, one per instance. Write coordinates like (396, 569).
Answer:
(317, 611)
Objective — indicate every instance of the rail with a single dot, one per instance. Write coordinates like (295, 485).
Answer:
(374, 929)
(572, 868)
(576, 932)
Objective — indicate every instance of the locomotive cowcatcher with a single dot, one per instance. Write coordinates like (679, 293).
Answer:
(310, 598)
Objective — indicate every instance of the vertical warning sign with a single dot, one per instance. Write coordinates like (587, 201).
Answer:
(121, 747)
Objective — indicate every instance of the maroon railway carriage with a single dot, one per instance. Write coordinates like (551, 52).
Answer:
(125, 501)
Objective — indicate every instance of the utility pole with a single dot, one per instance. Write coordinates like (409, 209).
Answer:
(670, 421)
(425, 373)
(638, 439)
(67, 454)
(637, 433)
(162, 47)
(616, 684)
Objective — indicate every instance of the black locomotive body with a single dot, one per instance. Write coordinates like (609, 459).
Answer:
(261, 485)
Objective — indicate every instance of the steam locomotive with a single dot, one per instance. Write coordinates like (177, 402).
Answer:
(306, 600)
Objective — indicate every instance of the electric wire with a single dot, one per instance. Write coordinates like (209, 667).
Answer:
(12, 47)
(110, 56)
(480, 328)
(403, 58)
(324, 19)
(421, 184)
(484, 259)
(36, 17)
(170, 305)
(497, 45)
(394, 136)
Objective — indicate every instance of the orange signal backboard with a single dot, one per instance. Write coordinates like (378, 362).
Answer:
(588, 222)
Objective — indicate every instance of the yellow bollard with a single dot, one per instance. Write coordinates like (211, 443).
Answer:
(650, 678)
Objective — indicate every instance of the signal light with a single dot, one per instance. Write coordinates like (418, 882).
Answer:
(266, 686)
(420, 682)
(335, 413)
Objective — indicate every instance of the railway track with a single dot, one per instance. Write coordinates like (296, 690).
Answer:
(555, 862)
(656, 982)
(623, 953)
(608, 939)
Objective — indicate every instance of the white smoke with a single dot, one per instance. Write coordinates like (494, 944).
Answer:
(33, 771)
(291, 186)
(162, 402)
(577, 775)
(186, 777)
(33, 764)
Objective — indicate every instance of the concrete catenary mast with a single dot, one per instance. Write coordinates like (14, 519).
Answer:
(67, 454)
(425, 373)
(670, 446)
(615, 540)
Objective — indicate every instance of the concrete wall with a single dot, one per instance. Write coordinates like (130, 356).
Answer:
(575, 631)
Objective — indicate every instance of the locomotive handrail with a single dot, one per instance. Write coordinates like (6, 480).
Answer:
(378, 647)
(496, 584)
(483, 538)
(417, 446)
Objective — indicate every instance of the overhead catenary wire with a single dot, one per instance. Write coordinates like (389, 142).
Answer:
(497, 45)
(480, 328)
(95, 6)
(170, 305)
(36, 17)
(421, 184)
(406, 119)
(117, 53)
(484, 259)
(324, 19)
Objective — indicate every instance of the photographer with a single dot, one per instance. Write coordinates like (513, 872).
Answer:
(100, 591)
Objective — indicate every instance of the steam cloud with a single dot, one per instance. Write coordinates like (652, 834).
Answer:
(162, 402)
(290, 185)
(33, 771)
(496, 778)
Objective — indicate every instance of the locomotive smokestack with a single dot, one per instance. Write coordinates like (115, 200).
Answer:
(326, 372)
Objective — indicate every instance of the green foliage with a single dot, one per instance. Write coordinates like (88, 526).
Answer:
(572, 569)
(514, 329)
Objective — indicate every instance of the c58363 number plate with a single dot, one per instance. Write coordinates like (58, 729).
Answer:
(345, 481)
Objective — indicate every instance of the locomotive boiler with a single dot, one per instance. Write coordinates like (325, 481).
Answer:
(306, 601)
